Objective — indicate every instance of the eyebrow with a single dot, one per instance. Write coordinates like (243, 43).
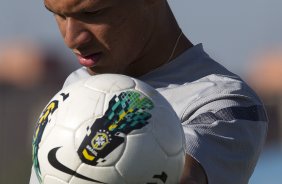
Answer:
(98, 4)
(52, 10)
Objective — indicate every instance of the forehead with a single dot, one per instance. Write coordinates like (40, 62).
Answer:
(68, 6)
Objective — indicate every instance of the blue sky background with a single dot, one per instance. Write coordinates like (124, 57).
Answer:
(231, 31)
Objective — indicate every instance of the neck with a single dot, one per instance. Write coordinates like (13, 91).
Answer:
(165, 44)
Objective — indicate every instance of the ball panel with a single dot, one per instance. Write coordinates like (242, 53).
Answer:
(109, 83)
(167, 130)
(83, 104)
(53, 180)
(82, 131)
(58, 148)
(102, 174)
(112, 158)
(142, 158)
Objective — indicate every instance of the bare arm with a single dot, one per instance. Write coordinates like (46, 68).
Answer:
(193, 172)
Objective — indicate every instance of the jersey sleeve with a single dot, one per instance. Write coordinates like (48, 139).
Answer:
(226, 137)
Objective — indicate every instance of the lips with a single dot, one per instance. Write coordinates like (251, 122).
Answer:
(90, 60)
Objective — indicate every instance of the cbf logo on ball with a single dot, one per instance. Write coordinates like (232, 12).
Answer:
(127, 112)
(100, 141)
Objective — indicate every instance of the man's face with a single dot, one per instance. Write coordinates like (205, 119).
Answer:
(108, 36)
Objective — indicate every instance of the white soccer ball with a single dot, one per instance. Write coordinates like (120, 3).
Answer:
(108, 129)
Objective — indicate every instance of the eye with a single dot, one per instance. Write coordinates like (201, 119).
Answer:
(96, 12)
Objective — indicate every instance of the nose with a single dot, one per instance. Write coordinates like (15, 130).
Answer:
(76, 35)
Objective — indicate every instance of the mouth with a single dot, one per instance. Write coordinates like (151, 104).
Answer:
(89, 60)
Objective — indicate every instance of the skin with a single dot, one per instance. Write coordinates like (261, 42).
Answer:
(131, 37)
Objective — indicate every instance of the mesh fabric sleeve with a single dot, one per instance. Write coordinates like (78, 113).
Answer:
(226, 137)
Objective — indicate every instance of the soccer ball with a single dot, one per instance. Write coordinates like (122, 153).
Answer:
(109, 129)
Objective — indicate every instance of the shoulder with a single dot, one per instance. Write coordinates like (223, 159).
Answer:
(196, 92)
(215, 88)
(221, 115)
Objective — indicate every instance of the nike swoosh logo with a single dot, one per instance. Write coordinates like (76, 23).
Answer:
(52, 158)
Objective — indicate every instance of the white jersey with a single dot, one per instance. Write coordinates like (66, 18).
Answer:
(223, 120)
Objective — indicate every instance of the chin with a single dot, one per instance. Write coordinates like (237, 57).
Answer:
(99, 70)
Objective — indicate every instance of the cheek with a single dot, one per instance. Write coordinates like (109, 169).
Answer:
(127, 39)
(61, 25)
(115, 38)
(123, 47)
(105, 35)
